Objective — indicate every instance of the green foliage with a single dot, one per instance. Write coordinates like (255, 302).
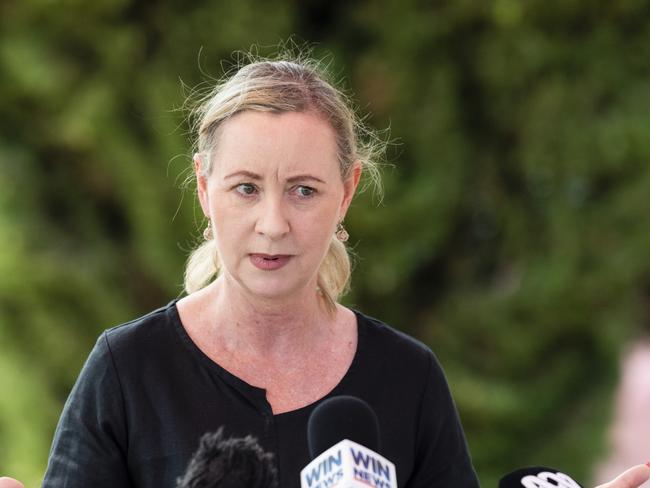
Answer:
(511, 237)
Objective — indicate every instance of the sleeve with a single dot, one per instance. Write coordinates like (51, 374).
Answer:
(442, 457)
(90, 442)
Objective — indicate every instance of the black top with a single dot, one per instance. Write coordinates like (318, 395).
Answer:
(147, 393)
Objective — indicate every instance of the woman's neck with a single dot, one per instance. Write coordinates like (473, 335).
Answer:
(251, 325)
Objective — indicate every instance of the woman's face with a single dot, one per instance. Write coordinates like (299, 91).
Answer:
(274, 197)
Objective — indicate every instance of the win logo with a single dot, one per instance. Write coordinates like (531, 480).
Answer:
(326, 473)
(370, 469)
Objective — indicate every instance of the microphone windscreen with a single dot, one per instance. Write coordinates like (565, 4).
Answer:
(229, 463)
(342, 417)
(538, 477)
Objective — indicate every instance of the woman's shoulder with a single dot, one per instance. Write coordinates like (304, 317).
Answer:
(151, 329)
(389, 360)
(390, 342)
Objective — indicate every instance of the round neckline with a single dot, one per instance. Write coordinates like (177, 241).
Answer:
(256, 394)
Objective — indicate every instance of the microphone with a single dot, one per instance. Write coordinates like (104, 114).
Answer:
(229, 463)
(343, 439)
(537, 477)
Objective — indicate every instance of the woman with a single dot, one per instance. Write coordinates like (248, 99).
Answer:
(260, 338)
(277, 164)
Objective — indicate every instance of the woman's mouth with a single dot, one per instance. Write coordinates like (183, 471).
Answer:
(269, 262)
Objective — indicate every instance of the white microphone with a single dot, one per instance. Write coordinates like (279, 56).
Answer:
(350, 462)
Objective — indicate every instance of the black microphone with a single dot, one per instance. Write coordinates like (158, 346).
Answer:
(342, 417)
(538, 477)
(343, 439)
(229, 463)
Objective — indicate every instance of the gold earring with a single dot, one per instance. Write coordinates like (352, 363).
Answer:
(342, 234)
(207, 232)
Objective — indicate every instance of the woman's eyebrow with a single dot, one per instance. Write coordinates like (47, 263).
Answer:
(247, 174)
(304, 178)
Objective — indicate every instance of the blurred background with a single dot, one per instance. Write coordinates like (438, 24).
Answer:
(513, 237)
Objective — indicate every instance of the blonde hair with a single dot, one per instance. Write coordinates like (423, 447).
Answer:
(284, 85)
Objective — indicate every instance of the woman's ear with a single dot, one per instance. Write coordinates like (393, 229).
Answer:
(350, 185)
(201, 184)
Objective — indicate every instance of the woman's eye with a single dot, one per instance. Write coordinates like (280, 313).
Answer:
(305, 191)
(245, 189)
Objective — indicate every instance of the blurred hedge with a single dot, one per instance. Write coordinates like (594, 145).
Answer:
(511, 238)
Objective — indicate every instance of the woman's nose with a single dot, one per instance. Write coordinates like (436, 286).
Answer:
(272, 221)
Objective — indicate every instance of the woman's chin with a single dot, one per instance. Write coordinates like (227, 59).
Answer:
(280, 285)
(276, 289)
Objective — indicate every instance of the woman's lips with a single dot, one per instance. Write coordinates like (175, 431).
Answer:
(269, 262)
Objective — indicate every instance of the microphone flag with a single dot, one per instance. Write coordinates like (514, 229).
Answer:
(348, 465)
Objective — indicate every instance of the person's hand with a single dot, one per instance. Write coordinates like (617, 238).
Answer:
(10, 483)
(632, 478)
